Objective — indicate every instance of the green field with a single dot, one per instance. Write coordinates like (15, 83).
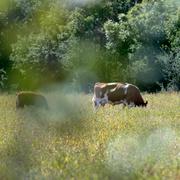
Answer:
(72, 142)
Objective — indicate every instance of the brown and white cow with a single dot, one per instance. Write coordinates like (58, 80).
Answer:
(117, 93)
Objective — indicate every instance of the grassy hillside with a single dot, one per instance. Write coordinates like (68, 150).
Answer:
(72, 142)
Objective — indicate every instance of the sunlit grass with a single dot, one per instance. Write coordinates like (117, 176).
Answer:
(71, 141)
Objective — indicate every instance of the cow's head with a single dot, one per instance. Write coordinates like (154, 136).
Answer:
(145, 104)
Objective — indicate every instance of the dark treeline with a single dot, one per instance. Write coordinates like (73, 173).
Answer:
(83, 41)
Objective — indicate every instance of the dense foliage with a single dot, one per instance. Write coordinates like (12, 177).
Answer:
(81, 42)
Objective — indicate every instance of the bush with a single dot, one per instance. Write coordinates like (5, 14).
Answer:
(170, 69)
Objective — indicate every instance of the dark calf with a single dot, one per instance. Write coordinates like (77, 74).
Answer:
(28, 98)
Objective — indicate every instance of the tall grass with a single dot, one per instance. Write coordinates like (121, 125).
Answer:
(72, 142)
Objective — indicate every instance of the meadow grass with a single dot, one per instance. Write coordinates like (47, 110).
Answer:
(71, 141)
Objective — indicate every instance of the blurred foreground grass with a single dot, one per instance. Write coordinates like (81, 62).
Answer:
(72, 142)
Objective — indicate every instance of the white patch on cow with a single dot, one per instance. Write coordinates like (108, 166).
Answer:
(126, 88)
(110, 84)
(111, 90)
(131, 104)
(99, 101)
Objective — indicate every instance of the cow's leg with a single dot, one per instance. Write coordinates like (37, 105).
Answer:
(124, 105)
(124, 102)
(95, 103)
(95, 107)
(129, 102)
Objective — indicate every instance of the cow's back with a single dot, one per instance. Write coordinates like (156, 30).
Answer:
(117, 93)
(101, 88)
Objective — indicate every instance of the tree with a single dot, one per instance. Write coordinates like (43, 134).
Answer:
(41, 52)
(140, 36)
